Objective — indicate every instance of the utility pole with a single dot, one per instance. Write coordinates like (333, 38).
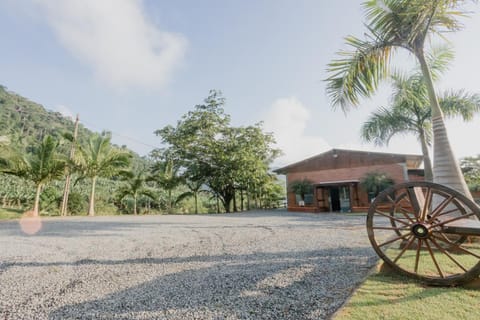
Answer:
(66, 190)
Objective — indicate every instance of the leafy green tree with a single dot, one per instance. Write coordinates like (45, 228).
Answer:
(272, 192)
(134, 186)
(392, 25)
(100, 159)
(410, 113)
(375, 182)
(208, 149)
(471, 170)
(301, 187)
(42, 166)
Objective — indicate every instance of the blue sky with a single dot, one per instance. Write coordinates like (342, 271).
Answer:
(132, 66)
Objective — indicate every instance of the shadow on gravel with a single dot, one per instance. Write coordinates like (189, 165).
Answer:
(301, 285)
(114, 226)
(76, 228)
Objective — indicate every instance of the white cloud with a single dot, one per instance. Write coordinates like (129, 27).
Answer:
(287, 118)
(117, 40)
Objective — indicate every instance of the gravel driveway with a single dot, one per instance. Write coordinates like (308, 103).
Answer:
(256, 265)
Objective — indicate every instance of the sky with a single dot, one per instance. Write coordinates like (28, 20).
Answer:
(134, 66)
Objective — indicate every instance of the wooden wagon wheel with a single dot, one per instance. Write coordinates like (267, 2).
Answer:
(426, 231)
(454, 203)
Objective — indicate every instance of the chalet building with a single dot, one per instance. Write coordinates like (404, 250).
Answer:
(336, 175)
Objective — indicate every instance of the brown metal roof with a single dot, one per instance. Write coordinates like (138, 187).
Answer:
(342, 158)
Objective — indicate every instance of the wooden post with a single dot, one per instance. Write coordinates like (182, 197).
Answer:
(66, 190)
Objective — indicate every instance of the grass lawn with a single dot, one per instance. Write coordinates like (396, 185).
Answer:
(6, 214)
(385, 295)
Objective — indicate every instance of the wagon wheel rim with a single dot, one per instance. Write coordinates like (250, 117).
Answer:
(405, 228)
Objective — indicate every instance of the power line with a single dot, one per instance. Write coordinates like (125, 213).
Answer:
(121, 135)
(53, 114)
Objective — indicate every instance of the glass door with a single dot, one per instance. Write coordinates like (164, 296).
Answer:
(345, 198)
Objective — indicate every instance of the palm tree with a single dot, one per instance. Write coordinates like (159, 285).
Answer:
(195, 187)
(44, 165)
(166, 174)
(411, 113)
(301, 187)
(375, 182)
(99, 159)
(391, 25)
(134, 187)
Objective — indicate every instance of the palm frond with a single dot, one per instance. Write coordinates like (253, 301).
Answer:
(358, 73)
(460, 103)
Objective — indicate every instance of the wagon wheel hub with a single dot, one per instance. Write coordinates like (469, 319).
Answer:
(421, 231)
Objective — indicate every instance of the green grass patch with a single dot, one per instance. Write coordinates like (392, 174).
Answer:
(386, 295)
(6, 213)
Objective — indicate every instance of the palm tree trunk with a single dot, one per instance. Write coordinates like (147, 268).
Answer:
(91, 207)
(36, 204)
(135, 204)
(446, 170)
(427, 163)
(195, 195)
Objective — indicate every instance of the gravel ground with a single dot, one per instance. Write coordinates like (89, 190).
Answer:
(256, 265)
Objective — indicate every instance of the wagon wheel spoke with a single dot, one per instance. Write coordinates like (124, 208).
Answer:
(434, 260)
(391, 228)
(402, 210)
(405, 212)
(417, 256)
(390, 217)
(426, 205)
(439, 224)
(440, 207)
(410, 241)
(456, 246)
(395, 239)
(414, 201)
(445, 213)
(439, 247)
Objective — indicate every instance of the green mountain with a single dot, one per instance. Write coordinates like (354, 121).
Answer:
(25, 122)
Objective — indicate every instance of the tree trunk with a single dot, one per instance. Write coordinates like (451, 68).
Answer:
(195, 195)
(235, 201)
(91, 207)
(427, 163)
(135, 205)
(446, 170)
(36, 204)
(241, 199)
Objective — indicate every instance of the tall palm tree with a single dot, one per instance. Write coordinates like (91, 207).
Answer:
(392, 25)
(100, 159)
(134, 187)
(42, 166)
(166, 174)
(410, 113)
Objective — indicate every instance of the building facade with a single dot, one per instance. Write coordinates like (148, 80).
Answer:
(336, 176)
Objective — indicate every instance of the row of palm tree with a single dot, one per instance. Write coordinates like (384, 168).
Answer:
(46, 164)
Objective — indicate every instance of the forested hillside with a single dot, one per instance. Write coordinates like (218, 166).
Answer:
(25, 122)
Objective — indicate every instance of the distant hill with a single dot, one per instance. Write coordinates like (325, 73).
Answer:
(24, 123)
